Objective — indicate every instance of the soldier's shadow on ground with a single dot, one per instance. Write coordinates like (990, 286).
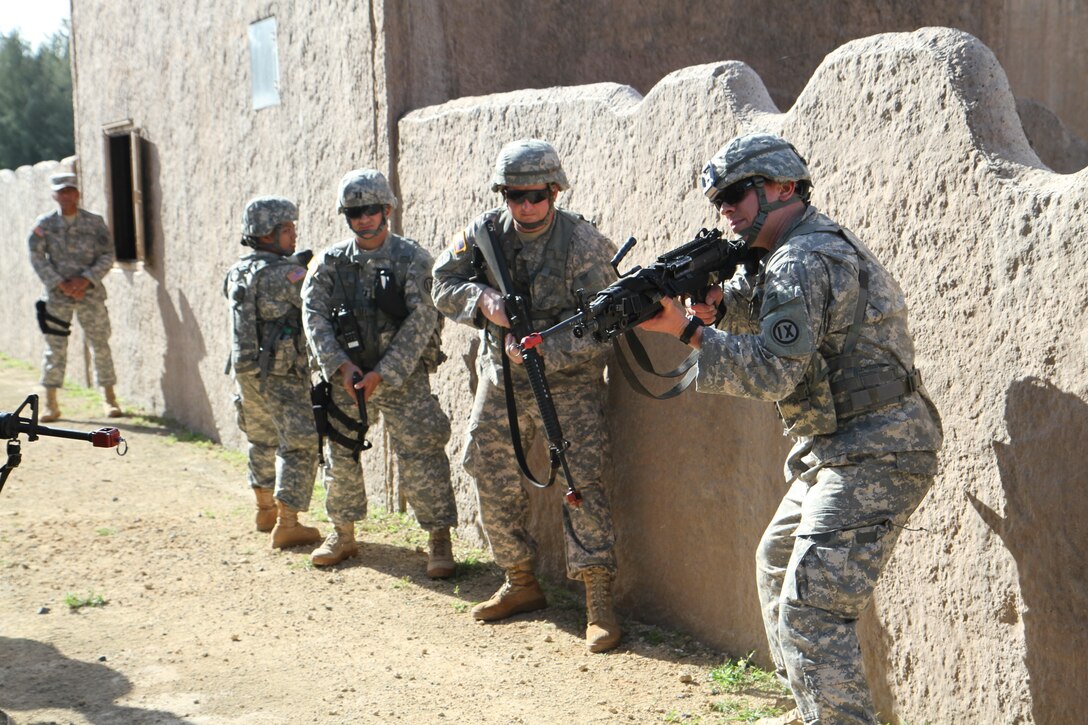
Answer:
(476, 581)
(36, 676)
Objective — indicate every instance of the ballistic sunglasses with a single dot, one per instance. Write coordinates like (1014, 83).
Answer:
(354, 212)
(733, 194)
(533, 196)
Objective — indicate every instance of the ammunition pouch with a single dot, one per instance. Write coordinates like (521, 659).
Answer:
(860, 390)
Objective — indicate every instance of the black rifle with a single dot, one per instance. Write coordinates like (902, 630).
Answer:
(517, 311)
(687, 271)
(12, 426)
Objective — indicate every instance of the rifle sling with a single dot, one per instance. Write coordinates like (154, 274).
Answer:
(635, 383)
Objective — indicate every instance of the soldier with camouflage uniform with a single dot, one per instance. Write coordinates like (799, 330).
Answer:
(550, 253)
(268, 358)
(368, 315)
(71, 251)
(821, 330)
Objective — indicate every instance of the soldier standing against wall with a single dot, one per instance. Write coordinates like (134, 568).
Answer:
(268, 357)
(372, 325)
(71, 250)
(821, 329)
(550, 253)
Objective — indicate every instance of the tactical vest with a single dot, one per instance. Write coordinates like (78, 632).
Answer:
(838, 386)
(547, 289)
(368, 312)
(268, 346)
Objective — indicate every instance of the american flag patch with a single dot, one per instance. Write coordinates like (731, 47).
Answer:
(296, 274)
(460, 244)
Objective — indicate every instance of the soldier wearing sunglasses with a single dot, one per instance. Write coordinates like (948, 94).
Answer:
(550, 254)
(821, 330)
(370, 322)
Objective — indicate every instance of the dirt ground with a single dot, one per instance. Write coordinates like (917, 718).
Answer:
(134, 590)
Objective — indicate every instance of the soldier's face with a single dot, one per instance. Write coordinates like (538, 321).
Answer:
(529, 204)
(287, 237)
(67, 199)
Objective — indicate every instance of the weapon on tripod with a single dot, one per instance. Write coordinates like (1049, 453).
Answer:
(687, 271)
(12, 426)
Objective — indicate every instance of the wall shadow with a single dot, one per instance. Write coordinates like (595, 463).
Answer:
(183, 393)
(36, 676)
(1045, 528)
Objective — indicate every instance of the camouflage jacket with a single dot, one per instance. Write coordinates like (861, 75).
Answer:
(784, 337)
(347, 277)
(266, 321)
(548, 270)
(59, 250)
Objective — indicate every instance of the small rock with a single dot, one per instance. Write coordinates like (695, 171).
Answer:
(43, 610)
(685, 678)
(101, 658)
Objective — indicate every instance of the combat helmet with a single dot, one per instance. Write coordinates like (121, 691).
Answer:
(761, 157)
(263, 214)
(527, 162)
(362, 187)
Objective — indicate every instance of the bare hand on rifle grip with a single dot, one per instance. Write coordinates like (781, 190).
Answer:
(493, 307)
(707, 310)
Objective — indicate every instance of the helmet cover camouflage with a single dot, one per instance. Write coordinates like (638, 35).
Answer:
(362, 187)
(528, 162)
(756, 154)
(264, 213)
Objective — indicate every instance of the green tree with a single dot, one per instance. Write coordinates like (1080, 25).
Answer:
(36, 120)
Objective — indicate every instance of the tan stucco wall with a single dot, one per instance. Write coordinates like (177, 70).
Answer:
(915, 143)
(978, 618)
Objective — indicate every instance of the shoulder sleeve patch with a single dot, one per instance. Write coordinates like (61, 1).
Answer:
(295, 274)
(38, 231)
(785, 329)
(460, 244)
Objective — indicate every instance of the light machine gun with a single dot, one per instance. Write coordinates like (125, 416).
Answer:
(687, 271)
(12, 426)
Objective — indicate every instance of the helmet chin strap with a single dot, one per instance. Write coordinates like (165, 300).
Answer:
(765, 207)
(369, 233)
(534, 226)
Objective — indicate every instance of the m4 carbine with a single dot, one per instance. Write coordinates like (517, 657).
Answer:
(12, 426)
(687, 271)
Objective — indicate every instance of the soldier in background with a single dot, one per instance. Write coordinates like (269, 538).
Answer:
(550, 253)
(371, 325)
(268, 358)
(71, 250)
(821, 330)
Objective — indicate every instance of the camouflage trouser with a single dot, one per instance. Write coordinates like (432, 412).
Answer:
(95, 321)
(279, 426)
(418, 431)
(504, 504)
(817, 565)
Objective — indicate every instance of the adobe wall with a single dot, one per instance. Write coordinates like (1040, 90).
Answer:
(915, 144)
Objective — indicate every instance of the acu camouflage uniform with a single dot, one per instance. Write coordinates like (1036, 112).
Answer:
(60, 250)
(272, 376)
(836, 356)
(547, 270)
(404, 352)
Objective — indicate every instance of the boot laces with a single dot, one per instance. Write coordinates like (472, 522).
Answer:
(441, 548)
(599, 583)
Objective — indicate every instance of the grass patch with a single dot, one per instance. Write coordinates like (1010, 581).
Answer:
(77, 601)
(737, 710)
(740, 675)
(8, 361)
(105, 531)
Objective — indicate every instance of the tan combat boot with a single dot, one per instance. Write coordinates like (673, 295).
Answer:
(339, 545)
(440, 562)
(602, 627)
(289, 532)
(52, 407)
(110, 407)
(520, 592)
(266, 508)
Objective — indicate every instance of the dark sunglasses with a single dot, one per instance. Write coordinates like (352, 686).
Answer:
(355, 212)
(733, 194)
(533, 196)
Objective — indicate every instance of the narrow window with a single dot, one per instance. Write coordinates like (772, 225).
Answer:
(124, 191)
(264, 67)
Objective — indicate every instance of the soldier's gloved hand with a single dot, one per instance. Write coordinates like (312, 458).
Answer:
(369, 384)
(513, 351)
(707, 311)
(347, 371)
(493, 307)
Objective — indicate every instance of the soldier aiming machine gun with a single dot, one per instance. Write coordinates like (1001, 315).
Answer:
(12, 426)
(687, 271)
